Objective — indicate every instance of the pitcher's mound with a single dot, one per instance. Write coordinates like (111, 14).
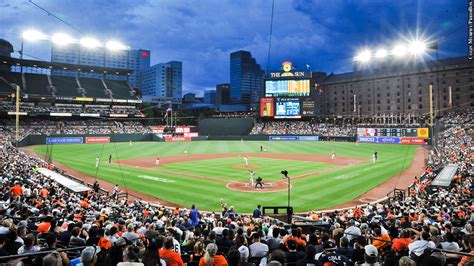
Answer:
(247, 167)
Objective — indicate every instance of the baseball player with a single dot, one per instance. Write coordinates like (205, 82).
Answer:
(333, 155)
(97, 161)
(374, 157)
(252, 176)
(246, 160)
(185, 151)
(157, 161)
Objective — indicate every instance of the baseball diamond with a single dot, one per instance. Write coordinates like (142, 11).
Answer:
(216, 167)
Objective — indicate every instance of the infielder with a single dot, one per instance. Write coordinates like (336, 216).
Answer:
(374, 157)
(333, 155)
(246, 160)
(252, 176)
(157, 161)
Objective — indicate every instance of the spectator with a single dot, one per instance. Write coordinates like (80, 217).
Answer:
(258, 249)
(211, 258)
(171, 257)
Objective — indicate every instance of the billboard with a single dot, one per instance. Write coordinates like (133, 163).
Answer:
(394, 132)
(293, 138)
(292, 88)
(287, 108)
(392, 140)
(103, 139)
(308, 107)
(65, 140)
(267, 107)
(177, 139)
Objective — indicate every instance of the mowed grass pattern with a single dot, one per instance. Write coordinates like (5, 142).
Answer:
(223, 168)
(312, 192)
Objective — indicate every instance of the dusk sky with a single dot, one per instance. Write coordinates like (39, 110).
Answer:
(323, 34)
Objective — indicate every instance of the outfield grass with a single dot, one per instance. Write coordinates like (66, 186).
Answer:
(312, 192)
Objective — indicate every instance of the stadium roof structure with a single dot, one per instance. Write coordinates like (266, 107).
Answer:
(11, 61)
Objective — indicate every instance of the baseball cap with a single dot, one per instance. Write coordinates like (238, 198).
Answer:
(88, 253)
(244, 251)
(371, 251)
(329, 245)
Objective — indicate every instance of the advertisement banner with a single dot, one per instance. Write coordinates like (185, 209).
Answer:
(118, 115)
(423, 133)
(191, 134)
(367, 139)
(290, 138)
(386, 140)
(267, 107)
(416, 141)
(177, 139)
(65, 140)
(294, 138)
(103, 139)
(308, 138)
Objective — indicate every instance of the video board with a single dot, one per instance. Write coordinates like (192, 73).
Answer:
(267, 107)
(287, 108)
(291, 88)
(393, 132)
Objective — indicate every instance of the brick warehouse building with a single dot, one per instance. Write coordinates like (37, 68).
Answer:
(400, 90)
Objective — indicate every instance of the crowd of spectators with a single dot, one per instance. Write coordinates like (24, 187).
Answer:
(49, 127)
(422, 229)
(302, 128)
(46, 108)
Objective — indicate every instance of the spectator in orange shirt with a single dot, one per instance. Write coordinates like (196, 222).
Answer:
(382, 240)
(401, 244)
(16, 190)
(44, 193)
(171, 257)
(210, 258)
(45, 225)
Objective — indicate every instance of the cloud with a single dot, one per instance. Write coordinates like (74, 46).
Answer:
(202, 34)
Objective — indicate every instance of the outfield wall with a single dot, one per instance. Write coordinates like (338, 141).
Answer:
(62, 138)
(225, 126)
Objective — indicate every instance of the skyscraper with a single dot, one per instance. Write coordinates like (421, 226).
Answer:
(246, 79)
(163, 82)
(135, 60)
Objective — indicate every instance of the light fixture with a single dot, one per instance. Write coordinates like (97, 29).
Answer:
(33, 35)
(399, 50)
(363, 56)
(381, 53)
(61, 39)
(417, 47)
(90, 43)
(115, 46)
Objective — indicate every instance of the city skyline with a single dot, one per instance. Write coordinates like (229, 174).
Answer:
(324, 35)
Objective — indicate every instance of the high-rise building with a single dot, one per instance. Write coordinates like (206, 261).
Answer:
(163, 82)
(210, 97)
(246, 79)
(136, 60)
(222, 94)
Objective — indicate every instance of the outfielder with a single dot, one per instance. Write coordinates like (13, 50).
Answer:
(246, 160)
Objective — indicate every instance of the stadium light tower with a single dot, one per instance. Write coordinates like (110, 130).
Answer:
(115, 46)
(364, 56)
(399, 50)
(62, 39)
(381, 53)
(90, 42)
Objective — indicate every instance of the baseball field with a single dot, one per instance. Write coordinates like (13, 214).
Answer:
(203, 172)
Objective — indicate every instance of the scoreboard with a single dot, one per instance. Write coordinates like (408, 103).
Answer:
(393, 132)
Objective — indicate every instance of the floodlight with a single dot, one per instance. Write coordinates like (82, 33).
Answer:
(61, 39)
(90, 42)
(363, 56)
(115, 46)
(33, 35)
(399, 50)
(417, 47)
(381, 53)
